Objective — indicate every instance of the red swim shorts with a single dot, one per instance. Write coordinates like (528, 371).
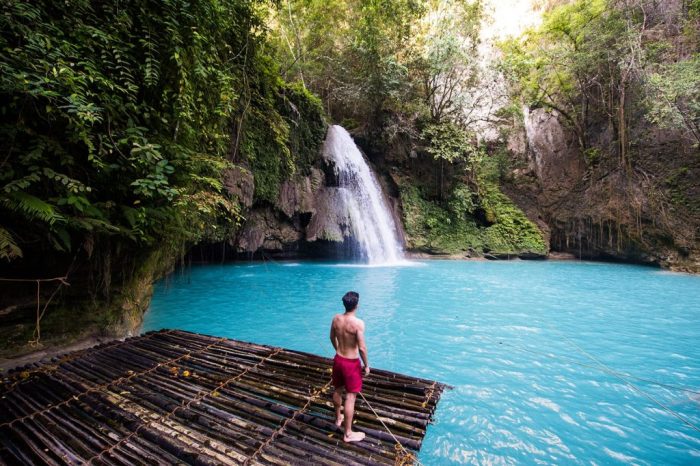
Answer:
(347, 373)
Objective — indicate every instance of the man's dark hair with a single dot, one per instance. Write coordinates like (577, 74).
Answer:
(350, 300)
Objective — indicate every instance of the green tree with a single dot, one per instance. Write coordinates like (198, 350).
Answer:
(580, 62)
(352, 53)
(449, 63)
(674, 97)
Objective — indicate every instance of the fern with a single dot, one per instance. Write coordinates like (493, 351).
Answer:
(31, 207)
(8, 247)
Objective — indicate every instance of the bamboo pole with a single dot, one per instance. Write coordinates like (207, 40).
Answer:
(188, 435)
(83, 439)
(10, 452)
(115, 431)
(34, 447)
(310, 433)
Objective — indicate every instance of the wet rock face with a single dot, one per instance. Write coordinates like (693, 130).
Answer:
(265, 230)
(239, 182)
(328, 223)
(304, 221)
(281, 227)
(299, 195)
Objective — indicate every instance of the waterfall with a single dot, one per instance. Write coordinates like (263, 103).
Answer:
(361, 199)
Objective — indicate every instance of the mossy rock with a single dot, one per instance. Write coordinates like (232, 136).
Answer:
(435, 229)
(283, 136)
(512, 232)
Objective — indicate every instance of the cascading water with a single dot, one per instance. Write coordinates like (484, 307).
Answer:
(361, 198)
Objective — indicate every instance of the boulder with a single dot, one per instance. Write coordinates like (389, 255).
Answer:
(328, 222)
(298, 194)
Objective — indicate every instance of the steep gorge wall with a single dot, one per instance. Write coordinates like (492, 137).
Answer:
(648, 212)
(605, 155)
(301, 215)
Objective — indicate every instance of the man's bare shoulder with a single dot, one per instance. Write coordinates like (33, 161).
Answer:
(359, 323)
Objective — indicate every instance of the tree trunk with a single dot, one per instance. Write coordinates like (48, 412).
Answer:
(622, 127)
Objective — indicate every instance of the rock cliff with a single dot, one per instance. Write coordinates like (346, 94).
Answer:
(594, 208)
(303, 221)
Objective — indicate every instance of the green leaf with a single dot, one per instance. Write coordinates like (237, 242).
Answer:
(31, 207)
(8, 246)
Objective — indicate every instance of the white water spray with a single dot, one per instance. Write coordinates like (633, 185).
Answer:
(360, 195)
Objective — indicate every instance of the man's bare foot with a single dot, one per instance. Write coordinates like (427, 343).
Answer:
(354, 437)
(339, 421)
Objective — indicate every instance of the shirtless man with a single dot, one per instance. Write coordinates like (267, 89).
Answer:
(348, 338)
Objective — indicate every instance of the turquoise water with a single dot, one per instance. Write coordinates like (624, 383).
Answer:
(521, 342)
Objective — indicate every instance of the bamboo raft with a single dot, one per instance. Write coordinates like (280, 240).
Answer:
(177, 397)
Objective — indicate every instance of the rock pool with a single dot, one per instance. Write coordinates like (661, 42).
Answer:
(551, 362)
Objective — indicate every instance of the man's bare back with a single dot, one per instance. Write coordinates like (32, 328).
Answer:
(348, 330)
(348, 338)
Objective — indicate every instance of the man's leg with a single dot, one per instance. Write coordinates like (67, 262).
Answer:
(338, 403)
(351, 436)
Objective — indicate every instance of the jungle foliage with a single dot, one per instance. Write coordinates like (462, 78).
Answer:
(119, 119)
(475, 218)
(382, 67)
(611, 60)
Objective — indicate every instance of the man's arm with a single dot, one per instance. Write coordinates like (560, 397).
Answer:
(334, 341)
(362, 346)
